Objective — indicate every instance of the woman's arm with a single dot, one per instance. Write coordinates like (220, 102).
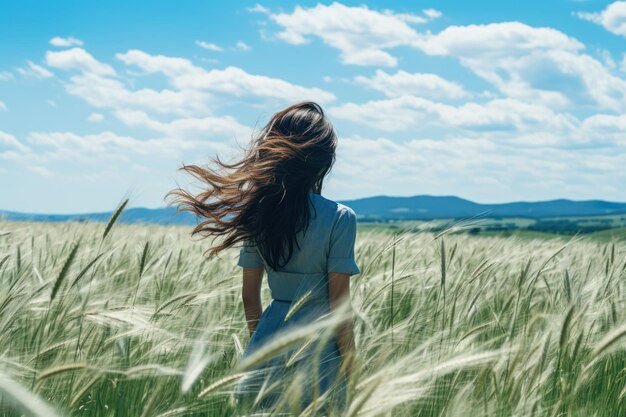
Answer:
(339, 293)
(251, 295)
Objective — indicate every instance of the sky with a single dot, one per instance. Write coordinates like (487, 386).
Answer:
(492, 101)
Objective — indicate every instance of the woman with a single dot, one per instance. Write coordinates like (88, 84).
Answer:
(270, 201)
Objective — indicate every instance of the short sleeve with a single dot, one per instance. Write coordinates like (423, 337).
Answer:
(249, 256)
(342, 239)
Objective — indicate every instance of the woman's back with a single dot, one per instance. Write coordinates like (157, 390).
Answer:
(327, 245)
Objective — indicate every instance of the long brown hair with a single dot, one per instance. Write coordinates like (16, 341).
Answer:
(264, 196)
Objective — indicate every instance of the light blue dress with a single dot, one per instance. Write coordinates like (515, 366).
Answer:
(327, 245)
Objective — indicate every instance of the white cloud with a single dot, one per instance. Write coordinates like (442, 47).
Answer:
(104, 92)
(613, 18)
(605, 129)
(605, 122)
(235, 81)
(184, 75)
(417, 84)
(258, 9)
(361, 34)
(192, 97)
(3, 106)
(433, 13)
(6, 76)
(11, 141)
(60, 148)
(523, 62)
(533, 64)
(538, 64)
(206, 127)
(484, 170)
(77, 58)
(408, 112)
(167, 65)
(71, 145)
(65, 42)
(35, 71)
(511, 38)
(364, 36)
(95, 84)
(210, 46)
(608, 59)
(242, 46)
(192, 90)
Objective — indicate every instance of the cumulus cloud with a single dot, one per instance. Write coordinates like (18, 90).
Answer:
(65, 42)
(184, 109)
(77, 58)
(110, 93)
(605, 129)
(608, 59)
(184, 75)
(417, 84)
(192, 86)
(361, 34)
(409, 112)
(432, 13)
(364, 36)
(475, 168)
(210, 46)
(258, 9)
(35, 71)
(613, 18)
(9, 141)
(67, 145)
(527, 63)
(523, 62)
(512, 38)
(203, 127)
(242, 46)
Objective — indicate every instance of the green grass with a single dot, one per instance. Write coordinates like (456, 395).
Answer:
(610, 235)
(527, 234)
(142, 324)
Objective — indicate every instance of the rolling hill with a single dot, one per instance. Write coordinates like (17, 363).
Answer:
(426, 207)
(382, 208)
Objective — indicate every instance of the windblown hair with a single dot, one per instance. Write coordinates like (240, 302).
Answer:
(264, 197)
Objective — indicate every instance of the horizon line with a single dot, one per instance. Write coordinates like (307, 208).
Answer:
(338, 200)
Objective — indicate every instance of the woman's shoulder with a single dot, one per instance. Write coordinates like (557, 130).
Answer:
(331, 206)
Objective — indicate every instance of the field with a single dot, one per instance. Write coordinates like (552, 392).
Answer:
(603, 227)
(139, 323)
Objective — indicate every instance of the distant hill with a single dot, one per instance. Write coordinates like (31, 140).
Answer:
(426, 207)
(382, 208)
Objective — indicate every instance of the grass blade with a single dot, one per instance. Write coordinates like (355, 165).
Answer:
(64, 271)
(85, 269)
(24, 400)
(114, 218)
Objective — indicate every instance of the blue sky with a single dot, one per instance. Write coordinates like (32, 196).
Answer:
(490, 101)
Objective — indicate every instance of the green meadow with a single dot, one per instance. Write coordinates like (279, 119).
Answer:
(130, 320)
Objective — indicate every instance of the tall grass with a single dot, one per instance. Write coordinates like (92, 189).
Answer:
(141, 324)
